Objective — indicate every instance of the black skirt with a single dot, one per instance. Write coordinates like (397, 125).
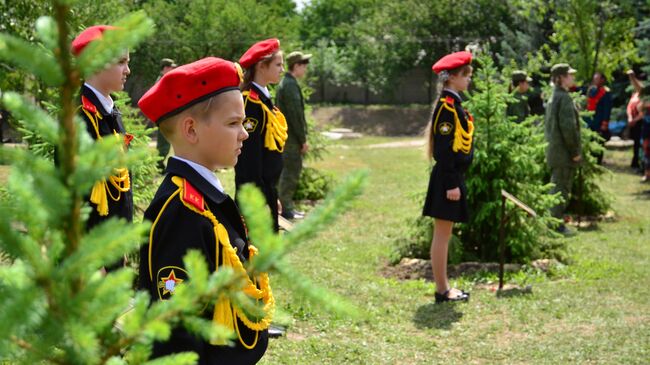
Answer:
(437, 205)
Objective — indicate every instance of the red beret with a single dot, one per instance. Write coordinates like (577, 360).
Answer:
(187, 85)
(452, 61)
(258, 51)
(87, 36)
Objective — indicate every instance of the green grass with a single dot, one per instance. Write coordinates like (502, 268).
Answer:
(4, 174)
(594, 311)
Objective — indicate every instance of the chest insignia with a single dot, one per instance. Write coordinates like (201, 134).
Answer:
(168, 281)
(445, 128)
(250, 124)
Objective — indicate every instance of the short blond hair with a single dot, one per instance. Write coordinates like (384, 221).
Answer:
(199, 112)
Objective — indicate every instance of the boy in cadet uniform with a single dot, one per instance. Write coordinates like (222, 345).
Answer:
(162, 145)
(289, 100)
(519, 90)
(562, 132)
(112, 197)
(199, 109)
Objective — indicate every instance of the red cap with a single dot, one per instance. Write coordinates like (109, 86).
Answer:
(258, 51)
(452, 61)
(187, 85)
(87, 36)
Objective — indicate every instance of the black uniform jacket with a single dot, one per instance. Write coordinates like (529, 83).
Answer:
(177, 229)
(449, 170)
(108, 125)
(257, 164)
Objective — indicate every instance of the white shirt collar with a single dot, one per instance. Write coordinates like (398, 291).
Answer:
(106, 103)
(264, 89)
(204, 172)
(455, 93)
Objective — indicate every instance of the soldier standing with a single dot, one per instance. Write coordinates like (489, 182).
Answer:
(519, 108)
(290, 101)
(162, 145)
(562, 132)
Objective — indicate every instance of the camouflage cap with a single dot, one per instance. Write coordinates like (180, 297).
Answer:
(519, 75)
(562, 69)
(167, 62)
(297, 57)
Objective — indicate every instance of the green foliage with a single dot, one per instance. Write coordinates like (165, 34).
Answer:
(504, 159)
(58, 308)
(588, 198)
(144, 172)
(313, 184)
(274, 248)
(188, 30)
(594, 35)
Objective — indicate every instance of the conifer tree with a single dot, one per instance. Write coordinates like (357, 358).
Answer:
(505, 158)
(57, 307)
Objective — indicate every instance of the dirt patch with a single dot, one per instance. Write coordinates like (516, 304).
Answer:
(414, 269)
(375, 120)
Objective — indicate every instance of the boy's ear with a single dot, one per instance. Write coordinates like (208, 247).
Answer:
(188, 129)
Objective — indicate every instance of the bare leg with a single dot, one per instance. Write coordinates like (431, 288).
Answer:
(439, 246)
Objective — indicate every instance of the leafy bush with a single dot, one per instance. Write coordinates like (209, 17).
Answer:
(587, 198)
(313, 184)
(144, 171)
(505, 158)
(417, 243)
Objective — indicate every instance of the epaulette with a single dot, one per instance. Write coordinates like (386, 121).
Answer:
(254, 95)
(86, 104)
(449, 100)
(192, 196)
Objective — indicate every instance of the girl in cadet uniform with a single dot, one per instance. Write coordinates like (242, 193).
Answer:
(450, 145)
(261, 159)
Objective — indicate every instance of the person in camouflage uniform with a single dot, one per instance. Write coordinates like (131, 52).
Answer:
(290, 101)
(562, 131)
(519, 108)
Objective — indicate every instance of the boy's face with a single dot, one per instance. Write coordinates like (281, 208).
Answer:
(113, 78)
(220, 138)
(299, 70)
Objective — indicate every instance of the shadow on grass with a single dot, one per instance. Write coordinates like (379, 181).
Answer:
(514, 292)
(440, 316)
(644, 194)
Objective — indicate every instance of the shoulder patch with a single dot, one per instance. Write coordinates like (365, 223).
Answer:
(449, 100)
(86, 104)
(128, 137)
(250, 124)
(192, 196)
(445, 128)
(168, 279)
(253, 95)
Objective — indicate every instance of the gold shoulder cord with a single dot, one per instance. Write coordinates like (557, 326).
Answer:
(120, 180)
(462, 138)
(225, 313)
(276, 126)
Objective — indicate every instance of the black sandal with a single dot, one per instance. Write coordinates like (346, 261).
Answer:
(444, 297)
